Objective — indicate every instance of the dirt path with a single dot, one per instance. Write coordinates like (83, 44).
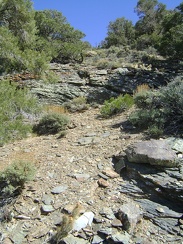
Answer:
(74, 163)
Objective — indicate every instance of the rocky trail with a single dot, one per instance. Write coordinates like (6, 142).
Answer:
(80, 168)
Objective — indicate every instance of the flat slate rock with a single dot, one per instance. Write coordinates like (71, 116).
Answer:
(154, 152)
(59, 189)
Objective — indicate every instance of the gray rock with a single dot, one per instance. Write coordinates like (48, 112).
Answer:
(105, 177)
(47, 208)
(122, 71)
(131, 189)
(148, 180)
(105, 230)
(107, 212)
(18, 234)
(116, 223)
(96, 85)
(154, 152)
(130, 214)
(120, 237)
(97, 240)
(59, 189)
(85, 140)
(166, 219)
(119, 165)
(81, 177)
(101, 72)
(106, 134)
(47, 199)
(176, 144)
(70, 239)
(153, 210)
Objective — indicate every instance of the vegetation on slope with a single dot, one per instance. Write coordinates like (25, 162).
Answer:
(17, 106)
(30, 40)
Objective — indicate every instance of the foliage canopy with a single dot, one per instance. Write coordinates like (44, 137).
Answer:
(30, 39)
(157, 27)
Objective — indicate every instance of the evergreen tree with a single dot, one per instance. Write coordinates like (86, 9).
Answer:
(148, 28)
(18, 38)
(61, 39)
(18, 17)
(172, 39)
(120, 33)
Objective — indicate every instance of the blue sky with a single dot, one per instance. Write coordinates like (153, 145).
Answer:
(93, 16)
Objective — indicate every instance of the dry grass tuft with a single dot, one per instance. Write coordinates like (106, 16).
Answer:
(55, 109)
(141, 88)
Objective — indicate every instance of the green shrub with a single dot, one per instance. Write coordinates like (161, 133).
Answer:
(116, 105)
(51, 123)
(154, 131)
(16, 106)
(16, 175)
(160, 111)
(102, 63)
(107, 64)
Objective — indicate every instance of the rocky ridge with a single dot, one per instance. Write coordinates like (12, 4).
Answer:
(98, 84)
(97, 164)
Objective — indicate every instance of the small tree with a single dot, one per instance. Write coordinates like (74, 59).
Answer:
(62, 41)
(18, 38)
(120, 33)
(172, 35)
(149, 27)
(18, 17)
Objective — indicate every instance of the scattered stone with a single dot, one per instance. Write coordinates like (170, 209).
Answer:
(91, 134)
(129, 215)
(40, 231)
(85, 141)
(106, 134)
(54, 146)
(18, 234)
(119, 165)
(110, 173)
(101, 72)
(116, 223)
(160, 210)
(105, 177)
(122, 71)
(81, 177)
(47, 199)
(100, 166)
(70, 239)
(140, 182)
(176, 144)
(107, 231)
(107, 212)
(103, 183)
(59, 189)
(120, 237)
(47, 208)
(97, 239)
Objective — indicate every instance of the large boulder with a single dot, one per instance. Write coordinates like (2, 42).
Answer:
(154, 152)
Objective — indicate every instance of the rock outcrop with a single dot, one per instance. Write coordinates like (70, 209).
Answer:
(95, 84)
(153, 175)
(155, 152)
